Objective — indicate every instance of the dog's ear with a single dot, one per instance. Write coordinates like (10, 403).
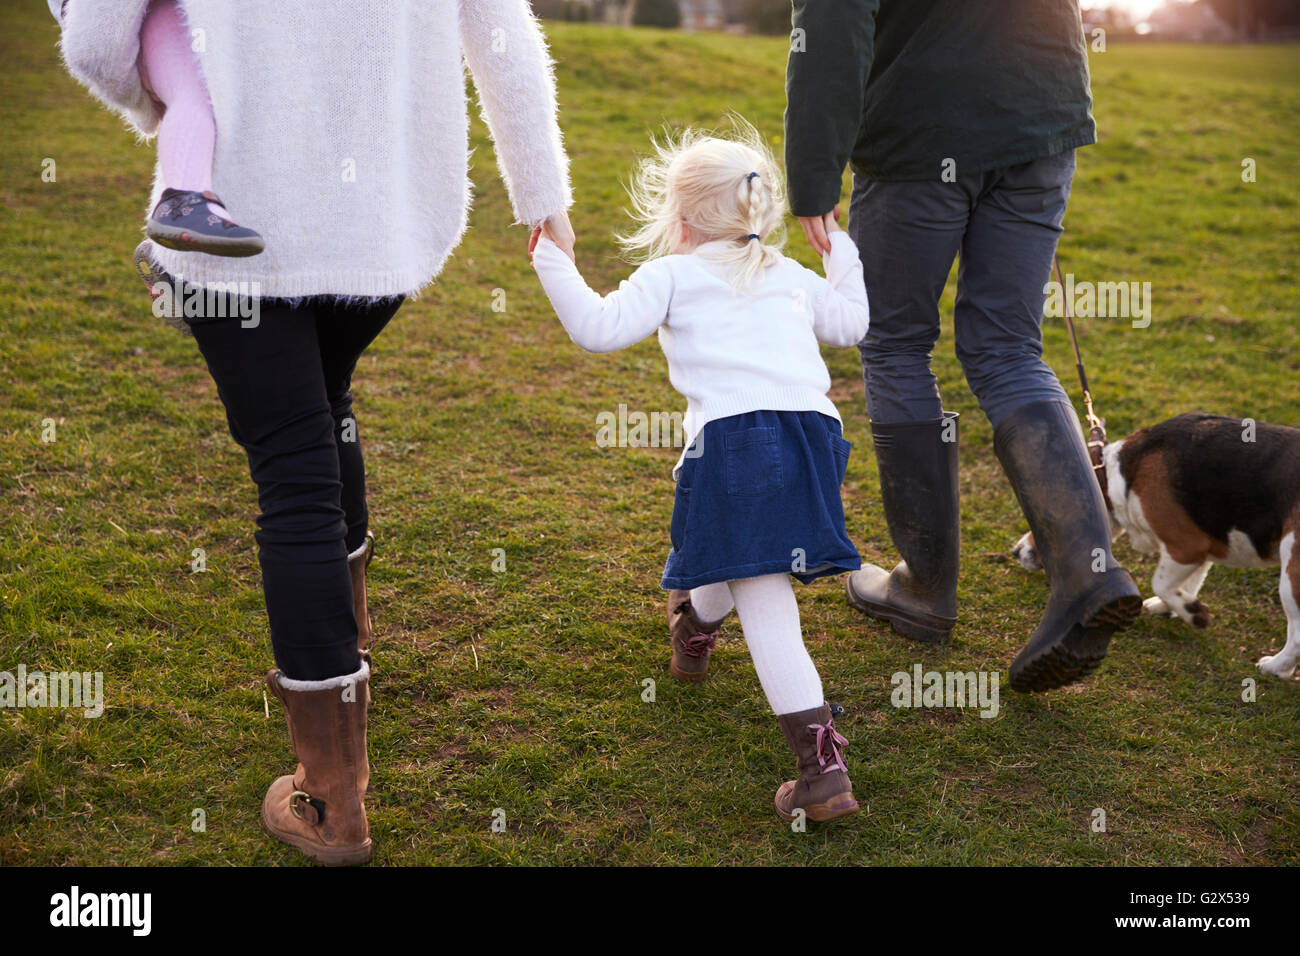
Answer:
(1025, 552)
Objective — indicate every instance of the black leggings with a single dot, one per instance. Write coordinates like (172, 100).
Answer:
(286, 386)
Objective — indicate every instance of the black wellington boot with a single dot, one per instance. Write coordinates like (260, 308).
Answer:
(1042, 451)
(918, 486)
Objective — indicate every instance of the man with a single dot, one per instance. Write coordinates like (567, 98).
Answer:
(960, 119)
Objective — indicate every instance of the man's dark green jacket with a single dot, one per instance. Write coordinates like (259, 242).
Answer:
(898, 87)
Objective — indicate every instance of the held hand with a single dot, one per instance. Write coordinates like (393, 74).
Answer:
(556, 228)
(817, 228)
(559, 230)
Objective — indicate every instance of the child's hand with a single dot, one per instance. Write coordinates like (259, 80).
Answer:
(818, 228)
(559, 230)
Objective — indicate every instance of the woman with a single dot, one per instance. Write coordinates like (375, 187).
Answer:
(342, 126)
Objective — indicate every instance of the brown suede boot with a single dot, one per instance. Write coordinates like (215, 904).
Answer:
(320, 808)
(358, 561)
(692, 640)
(822, 789)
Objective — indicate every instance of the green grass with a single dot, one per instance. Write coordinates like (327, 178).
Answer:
(522, 690)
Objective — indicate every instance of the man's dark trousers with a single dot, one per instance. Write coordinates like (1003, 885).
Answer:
(1003, 224)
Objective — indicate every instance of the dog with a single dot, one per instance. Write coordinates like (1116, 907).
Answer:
(1203, 489)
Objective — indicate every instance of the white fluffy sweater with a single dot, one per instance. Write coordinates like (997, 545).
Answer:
(728, 352)
(342, 128)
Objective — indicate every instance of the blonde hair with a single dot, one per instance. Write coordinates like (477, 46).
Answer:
(721, 188)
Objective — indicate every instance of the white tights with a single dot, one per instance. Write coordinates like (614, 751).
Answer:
(769, 616)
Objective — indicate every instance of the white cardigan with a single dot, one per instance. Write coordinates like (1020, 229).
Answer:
(728, 352)
(342, 128)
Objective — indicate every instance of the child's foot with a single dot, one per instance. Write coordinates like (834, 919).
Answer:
(154, 279)
(693, 641)
(187, 221)
(822, 790)
(150, 272)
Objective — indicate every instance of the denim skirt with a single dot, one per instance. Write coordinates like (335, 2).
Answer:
(759, 493)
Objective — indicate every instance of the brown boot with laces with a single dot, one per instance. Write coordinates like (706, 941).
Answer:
(692, 640)
(822, 789)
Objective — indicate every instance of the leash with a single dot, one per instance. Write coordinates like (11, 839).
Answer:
(1096, 424)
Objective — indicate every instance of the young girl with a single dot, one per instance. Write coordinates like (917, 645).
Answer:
(758, 488)
(189, 216)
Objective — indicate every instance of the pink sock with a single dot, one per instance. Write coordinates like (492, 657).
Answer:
(188, 132)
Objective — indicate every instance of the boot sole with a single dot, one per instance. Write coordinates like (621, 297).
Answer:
(144, 267)
(686, 676)
(324, 855)
(151, 276)
(1077, 654)
(183, 240)
(840, 805)
(928, 630)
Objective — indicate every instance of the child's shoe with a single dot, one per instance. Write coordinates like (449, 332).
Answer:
(692, 640)
(154, 279)
(149, 271)
(822, 790)
(186, 221)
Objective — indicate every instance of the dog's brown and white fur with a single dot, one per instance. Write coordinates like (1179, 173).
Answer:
(1203, 489)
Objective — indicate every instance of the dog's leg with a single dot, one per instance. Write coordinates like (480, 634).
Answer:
(1173, 595)
(1026, 554)
(1283, 663)
(1190, 589)
(1156, 607)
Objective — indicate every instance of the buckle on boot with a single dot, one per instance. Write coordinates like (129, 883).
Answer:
(315, 809)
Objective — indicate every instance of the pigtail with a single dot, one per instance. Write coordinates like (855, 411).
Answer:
(756, 199)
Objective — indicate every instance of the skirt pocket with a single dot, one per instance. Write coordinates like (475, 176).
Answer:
(754, 462)
(681, 511)
(842, 448)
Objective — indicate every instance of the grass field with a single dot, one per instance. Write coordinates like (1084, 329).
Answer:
(522, 690)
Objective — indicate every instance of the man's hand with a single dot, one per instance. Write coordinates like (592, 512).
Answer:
(818, 229)
(556, 228)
